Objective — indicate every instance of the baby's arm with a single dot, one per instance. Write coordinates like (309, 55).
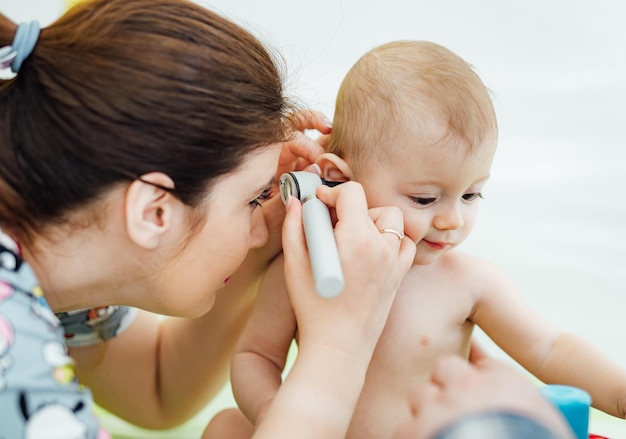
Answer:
(261, 352)
(574, 361)
(552, 355)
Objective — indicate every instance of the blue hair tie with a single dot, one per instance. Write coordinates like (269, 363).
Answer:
(23, 43)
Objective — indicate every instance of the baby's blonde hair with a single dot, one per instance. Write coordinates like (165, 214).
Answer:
(397, 84)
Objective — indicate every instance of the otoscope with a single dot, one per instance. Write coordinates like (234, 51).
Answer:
(318, 230)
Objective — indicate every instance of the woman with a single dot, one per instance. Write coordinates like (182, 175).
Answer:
(137, 139)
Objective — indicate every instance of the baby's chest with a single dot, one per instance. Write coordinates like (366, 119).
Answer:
(427, 321)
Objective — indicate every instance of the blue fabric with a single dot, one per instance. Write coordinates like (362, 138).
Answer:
(496, 425)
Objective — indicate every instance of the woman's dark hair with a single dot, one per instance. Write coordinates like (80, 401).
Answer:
(118, 88)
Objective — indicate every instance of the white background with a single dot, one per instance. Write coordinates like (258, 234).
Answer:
(554, 214)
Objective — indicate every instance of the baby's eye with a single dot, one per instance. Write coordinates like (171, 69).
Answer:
(472, 196)
(423, 201)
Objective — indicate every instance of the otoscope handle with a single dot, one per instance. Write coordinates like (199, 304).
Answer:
(320, 240)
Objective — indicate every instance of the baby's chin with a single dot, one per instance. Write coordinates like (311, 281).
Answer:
(425, 255)
(424, 259)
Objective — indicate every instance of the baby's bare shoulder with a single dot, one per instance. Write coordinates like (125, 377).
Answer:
(463, 261)
(472, 271)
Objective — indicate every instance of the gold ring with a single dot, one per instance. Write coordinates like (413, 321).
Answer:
(400, 235)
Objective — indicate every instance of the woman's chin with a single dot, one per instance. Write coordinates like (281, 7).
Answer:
(191, 311)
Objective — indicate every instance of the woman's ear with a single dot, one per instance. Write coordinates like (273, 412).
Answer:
(334, 168)
(149, 209)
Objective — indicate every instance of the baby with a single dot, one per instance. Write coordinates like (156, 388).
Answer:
(416, 127)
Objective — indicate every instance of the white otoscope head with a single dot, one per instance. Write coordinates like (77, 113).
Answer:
(300, 184)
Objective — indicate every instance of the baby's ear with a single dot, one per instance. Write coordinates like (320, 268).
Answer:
(334, 168)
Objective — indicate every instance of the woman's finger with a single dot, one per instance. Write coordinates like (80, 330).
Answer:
(299, 147)
(294, 245)
(348, 200)
(323, 140)
(383, 219)
(310, 120)
(407, 255)
(389, 221)
(350, 206)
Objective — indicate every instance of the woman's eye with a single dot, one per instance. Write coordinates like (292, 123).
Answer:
(472, 196)
(267, 193)
(423, 201)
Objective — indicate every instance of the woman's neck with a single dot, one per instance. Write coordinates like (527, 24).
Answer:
(81, 269)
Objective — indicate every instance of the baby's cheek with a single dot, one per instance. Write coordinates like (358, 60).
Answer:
(415, 231)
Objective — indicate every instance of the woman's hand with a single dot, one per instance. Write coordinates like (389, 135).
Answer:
(298, 153)
(336, 336)
(374, 264)
(301, 150)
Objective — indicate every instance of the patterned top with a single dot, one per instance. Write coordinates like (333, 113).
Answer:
(86, 327)
(40, 397)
